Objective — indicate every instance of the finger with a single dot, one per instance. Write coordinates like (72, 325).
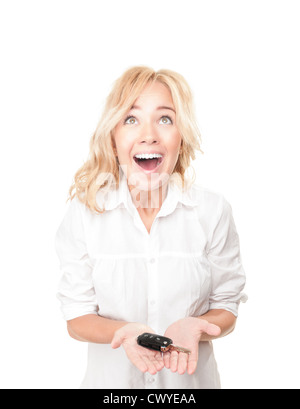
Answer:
(192, 361)
(182, 363)
(150, 364)
(156, 359)
(167, 357)
(140, 364)
(191, 367)
(174, 361)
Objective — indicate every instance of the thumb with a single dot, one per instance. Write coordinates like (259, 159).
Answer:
(117, 340)
(210, 329)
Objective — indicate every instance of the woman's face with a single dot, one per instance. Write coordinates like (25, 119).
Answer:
(147, 140)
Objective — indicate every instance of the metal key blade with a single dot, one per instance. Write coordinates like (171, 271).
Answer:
(179, 349)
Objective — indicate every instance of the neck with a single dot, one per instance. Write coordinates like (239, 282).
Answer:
(148, 201)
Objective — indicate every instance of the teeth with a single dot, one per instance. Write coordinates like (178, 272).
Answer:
(148, 155)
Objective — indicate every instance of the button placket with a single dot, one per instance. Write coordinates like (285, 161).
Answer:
(152, 286)
(150, 380)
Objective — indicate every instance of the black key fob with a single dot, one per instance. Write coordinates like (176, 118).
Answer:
(154, 341)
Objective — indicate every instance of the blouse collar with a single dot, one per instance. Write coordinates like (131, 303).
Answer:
(121, 198)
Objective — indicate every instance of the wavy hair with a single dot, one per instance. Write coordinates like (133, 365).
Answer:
(101, 169)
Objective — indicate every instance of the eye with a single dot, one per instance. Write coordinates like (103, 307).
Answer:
(165, 120)
(130, 120)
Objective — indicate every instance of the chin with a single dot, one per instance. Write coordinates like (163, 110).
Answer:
(148, 182)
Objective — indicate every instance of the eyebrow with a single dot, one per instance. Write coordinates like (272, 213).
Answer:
(158, 108)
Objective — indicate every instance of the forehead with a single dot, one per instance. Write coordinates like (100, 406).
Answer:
(155, 93)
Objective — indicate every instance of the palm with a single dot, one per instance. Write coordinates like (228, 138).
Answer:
(186, 333)
(144, 359)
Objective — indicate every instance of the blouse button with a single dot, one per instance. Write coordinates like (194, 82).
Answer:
(152, 260)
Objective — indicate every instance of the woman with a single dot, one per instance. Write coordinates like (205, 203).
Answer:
(142, 248)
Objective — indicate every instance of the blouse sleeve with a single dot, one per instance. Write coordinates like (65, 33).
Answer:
(76, 290)
(228, 277)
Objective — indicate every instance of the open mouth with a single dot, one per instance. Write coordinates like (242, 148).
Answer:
(148, 162)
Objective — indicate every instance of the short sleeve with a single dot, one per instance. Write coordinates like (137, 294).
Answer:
(75, 291)
(228, 277)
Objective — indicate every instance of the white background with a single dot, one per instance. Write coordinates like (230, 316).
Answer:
(58, 62)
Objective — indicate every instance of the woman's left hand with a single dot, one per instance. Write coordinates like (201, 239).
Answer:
(187, 333)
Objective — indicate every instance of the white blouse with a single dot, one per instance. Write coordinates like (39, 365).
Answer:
(111, 266)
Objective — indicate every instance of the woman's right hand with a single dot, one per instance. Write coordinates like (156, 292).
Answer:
(144, 359)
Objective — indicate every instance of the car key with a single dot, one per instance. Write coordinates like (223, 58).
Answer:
(159, 343)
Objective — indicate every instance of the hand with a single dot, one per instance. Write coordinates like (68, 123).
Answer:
(187, 333)
(144, 359)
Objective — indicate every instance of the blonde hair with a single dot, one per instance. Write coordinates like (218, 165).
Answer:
(101, 169)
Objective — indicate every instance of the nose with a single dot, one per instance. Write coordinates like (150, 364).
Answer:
(149, 134)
